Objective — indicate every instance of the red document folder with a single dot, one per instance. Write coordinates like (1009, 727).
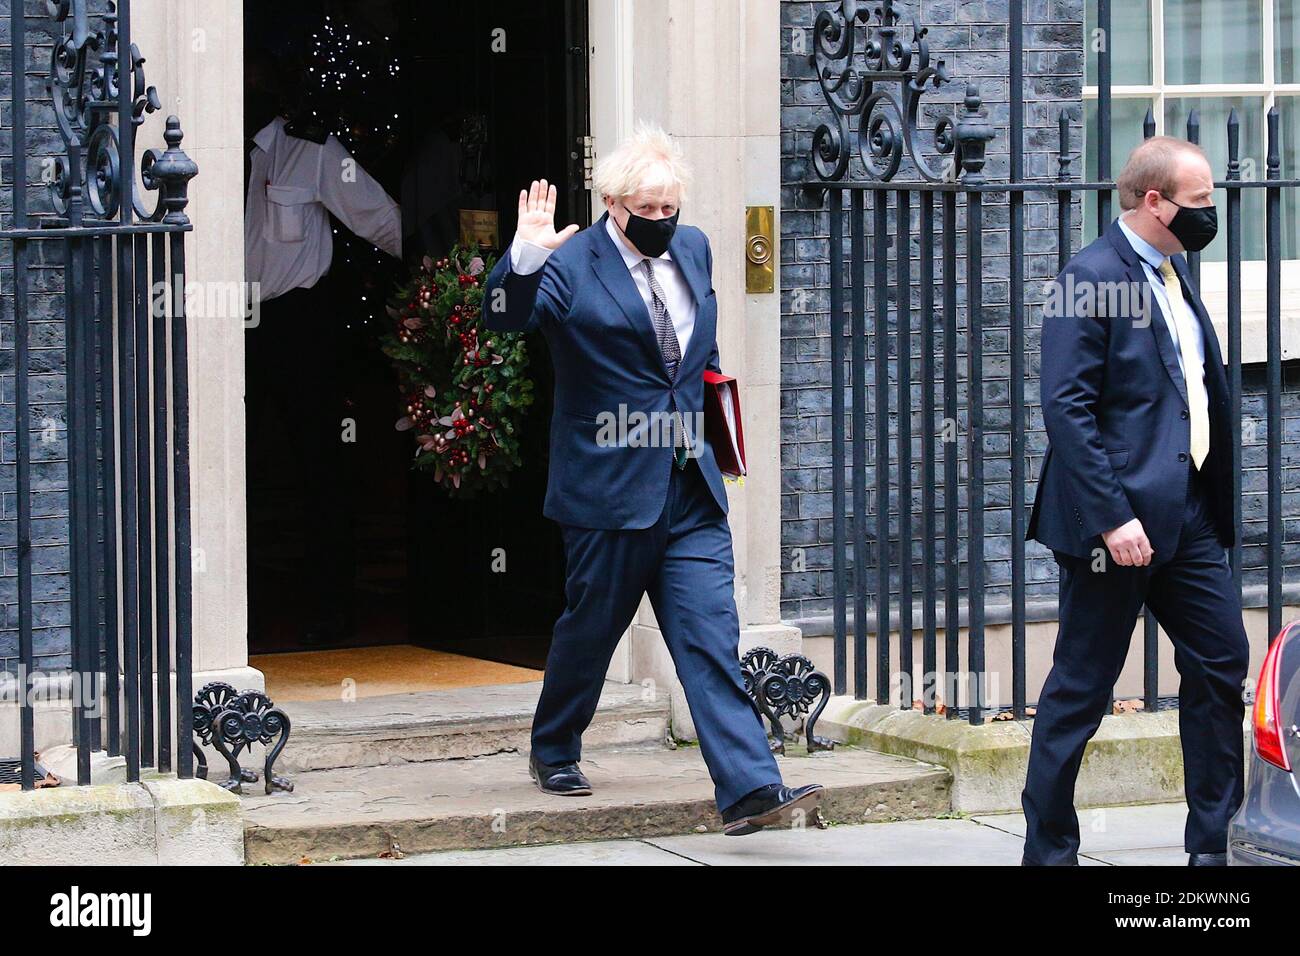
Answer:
(722, 424)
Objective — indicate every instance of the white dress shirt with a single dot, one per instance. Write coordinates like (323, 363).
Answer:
(1177, 313)
(527, 257)
(293, 187)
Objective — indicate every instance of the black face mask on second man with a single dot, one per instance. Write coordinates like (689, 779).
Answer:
(651, 236)
(1193, 226)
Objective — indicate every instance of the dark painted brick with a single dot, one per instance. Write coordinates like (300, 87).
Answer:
(971, 35)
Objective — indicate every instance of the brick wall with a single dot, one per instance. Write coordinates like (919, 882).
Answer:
(972, 38)
(49, 502)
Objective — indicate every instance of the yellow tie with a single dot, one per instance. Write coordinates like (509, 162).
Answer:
(1193, 374)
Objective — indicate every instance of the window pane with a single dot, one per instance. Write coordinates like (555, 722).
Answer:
(1214, 140)
(1213, 41)
(1126, 116)
(1288, 108)
(1130, 51)
(1286, 39)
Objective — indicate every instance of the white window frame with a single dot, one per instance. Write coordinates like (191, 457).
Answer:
(1214, 275)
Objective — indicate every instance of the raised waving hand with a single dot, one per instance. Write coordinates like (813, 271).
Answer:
(537, 216)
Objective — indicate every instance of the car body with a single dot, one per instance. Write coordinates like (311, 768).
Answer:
(1266, 829)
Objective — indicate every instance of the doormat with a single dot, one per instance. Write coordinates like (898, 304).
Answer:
(373, 671)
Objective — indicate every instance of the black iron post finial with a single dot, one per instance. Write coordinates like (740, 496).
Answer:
(973, 134)
(1272, 159)
(171, 171)
(1234, 144)
(1063, 151)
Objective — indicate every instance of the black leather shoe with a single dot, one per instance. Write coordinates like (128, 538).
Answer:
(1025, 861)
(1207, 859)
(770, 806)
(562, 780)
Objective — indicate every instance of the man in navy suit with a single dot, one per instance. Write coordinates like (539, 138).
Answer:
(1134, 499)
(628, 310)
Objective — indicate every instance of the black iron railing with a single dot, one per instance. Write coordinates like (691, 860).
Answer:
(122, 265)
(880, 81)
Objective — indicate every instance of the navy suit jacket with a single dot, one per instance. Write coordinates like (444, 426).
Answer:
(605, 354)
(1115, 408)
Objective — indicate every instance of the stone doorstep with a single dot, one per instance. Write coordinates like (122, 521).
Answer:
(1133, 758)
(159, 821)
(449, 725)
(491, 802)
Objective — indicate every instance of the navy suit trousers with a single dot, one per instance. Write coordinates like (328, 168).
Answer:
(684, 561)
(1192, 597)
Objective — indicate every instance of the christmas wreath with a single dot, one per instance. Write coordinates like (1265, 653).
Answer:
(465, 386)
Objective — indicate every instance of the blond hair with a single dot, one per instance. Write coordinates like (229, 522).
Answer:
(1152, 165)
(648, 159)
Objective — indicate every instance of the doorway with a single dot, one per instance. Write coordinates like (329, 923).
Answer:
(348, 546)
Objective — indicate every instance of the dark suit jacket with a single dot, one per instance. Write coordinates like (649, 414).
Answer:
(605, 353)
(1115, 407)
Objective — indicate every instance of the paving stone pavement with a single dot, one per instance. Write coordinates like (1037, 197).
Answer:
(444, 806)
(1150, 835)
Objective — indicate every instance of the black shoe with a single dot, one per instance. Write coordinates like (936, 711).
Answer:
(769, 806)
(562, 780)
(1025, 861)
(1207, 859)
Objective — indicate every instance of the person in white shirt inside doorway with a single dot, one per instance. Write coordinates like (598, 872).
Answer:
(294, 185)
(628, 311)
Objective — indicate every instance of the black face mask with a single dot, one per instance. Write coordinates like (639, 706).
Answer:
(1194, 226)
(650, 236)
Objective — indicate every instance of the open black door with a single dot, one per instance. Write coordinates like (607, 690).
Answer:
(362, 550)
(488, 575)
(578, 112)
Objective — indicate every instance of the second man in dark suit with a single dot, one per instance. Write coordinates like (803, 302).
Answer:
(1134, 499)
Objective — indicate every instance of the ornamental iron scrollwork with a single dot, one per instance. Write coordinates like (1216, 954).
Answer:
(83, 86)
(232, 722)
(786, 687)
(882, 85)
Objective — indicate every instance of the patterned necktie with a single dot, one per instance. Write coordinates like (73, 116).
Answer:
(664, 331)
(1197, 400)
(666, 335)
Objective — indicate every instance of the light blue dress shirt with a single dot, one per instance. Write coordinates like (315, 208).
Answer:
(1185, 321)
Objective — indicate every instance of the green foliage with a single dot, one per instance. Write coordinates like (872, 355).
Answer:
(466, 388)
